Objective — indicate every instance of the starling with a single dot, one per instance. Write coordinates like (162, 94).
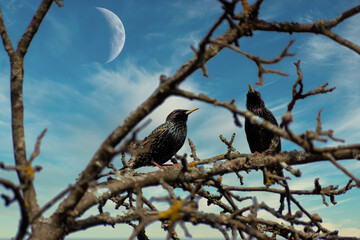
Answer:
(163, 142)
(261, 140)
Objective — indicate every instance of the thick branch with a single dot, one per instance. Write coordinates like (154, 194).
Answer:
(17, 107)
(5, 37)
(33, 27)
(343, 16)
(238, 162)
(333, 161)
(318, 27)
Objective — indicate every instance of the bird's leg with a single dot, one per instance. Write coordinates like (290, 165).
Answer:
(269, 178)
(159, 166)
(272, 176)
(173, 165)
(165, 166)
(266, 179)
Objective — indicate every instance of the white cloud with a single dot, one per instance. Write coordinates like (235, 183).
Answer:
(351, 30)
(60, 36)
(308, 18)
(154, 35)
(344, 64)
(126, 87)
(182, 45)
(350, 121)
(344, 231)
(277, 105)
(198, 9)
(320, 49)
(270, 11)
(349, 232)
(215, 122)
(302, 183)
(130, 86)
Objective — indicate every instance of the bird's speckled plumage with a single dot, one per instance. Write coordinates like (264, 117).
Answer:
(259, 139)
(163, 142)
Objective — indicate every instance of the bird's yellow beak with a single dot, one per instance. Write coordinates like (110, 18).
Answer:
(250, 88)
(190, 111)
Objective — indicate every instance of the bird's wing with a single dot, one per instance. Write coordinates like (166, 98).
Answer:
(146, 143)
(251, 135)
(268, 115)
(275, 145)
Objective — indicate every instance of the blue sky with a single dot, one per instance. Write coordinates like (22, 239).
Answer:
(70, 90)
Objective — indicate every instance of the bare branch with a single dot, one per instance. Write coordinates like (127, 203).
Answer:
(33, 27)
(318, 27)
(228, 144)
(17, 106)
(51, 203)
(260, 61)
(5, 37)
(343, 16)
(193, 150)
(37, 147)
(333, 160)
(3, 166)
(59, 3)
(298, 94)
(199, 178)
(24, 222)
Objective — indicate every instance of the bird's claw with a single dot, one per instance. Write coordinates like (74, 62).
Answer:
(165, 166)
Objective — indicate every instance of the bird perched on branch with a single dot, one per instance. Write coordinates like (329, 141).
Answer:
(163, 142)
(261, 140)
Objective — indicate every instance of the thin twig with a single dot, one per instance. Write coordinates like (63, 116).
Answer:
(344, 170)
(51, 203)
(37, 146)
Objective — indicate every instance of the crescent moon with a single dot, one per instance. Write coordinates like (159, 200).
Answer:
(117, 29)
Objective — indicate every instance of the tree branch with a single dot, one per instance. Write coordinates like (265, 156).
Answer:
(33, 27)
(318, 27)
(24, 220)
(17, 106)
(237, 162)
(260, 61)
(5, 37)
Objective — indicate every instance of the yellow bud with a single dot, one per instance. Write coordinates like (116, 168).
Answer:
(173, 213)
(30, 171)
(193, 164)
(245, 6)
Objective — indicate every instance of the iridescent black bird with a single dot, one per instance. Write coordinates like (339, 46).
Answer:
(259, 139)
(163, 142)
